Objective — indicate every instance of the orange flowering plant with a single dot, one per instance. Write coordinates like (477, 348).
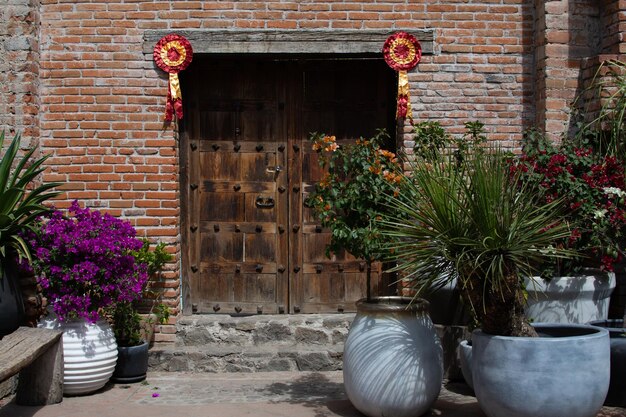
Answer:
(353, 194)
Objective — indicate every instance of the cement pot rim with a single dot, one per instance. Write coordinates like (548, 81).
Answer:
(393, 304)
(559, 332)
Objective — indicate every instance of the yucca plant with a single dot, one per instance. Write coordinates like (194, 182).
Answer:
(473, 221)
(20, 202)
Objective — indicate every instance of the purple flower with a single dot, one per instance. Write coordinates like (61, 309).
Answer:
(86, 262)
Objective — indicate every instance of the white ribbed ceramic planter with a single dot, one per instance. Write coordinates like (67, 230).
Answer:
(570, 299)
(89, 354)
(392, 359)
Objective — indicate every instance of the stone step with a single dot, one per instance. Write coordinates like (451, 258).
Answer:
(306, 342)
(224, 330)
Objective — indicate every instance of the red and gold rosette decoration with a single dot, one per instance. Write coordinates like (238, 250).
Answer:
(402, 53)
(173, 53)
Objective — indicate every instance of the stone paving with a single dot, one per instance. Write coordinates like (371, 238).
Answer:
(266, 394)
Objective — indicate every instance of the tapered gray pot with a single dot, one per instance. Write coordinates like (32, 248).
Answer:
(132, 363)
(565, 372)
(392, 359)
(617, 389)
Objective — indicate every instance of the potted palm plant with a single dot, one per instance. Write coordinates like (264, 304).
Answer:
(134, 330)
(392, 359)
(472, 219)
(21, 202)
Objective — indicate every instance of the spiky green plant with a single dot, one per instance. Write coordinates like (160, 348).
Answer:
(20, 202)
(474, 222)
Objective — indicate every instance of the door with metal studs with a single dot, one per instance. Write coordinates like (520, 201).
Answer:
(250, 246)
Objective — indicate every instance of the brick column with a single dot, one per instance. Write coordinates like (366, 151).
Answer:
(567, 31)
(19, 68)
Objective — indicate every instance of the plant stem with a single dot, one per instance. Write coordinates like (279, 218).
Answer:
(369, 280)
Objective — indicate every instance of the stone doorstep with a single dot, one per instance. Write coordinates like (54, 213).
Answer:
(220, 330)
(260, 343)
(232, 359)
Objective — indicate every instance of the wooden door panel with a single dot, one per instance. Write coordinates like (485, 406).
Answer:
(348, 102)
(235, 135)
(220, 165)
(261, 207)
(221, 247)
(260, 166)
(255, 288)
(260, 248)
(252, 245)
(222, 207)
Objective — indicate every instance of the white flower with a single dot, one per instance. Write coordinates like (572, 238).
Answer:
(598, 214)
(614, 190)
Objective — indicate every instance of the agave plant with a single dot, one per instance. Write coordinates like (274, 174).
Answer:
(475, 222)
(20, 202)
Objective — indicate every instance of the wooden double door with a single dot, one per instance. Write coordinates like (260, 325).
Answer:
(250, 246)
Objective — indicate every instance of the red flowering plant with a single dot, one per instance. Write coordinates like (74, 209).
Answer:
(353, 194)
(592, 185)
(86, 263)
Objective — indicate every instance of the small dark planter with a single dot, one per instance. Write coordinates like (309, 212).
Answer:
(132, 363)
(11, 304)
(617, 388)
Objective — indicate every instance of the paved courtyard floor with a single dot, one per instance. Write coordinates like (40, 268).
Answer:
(271, 394)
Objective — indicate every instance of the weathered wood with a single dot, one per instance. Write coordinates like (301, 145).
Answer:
(41, 382)
(288, 41)
(38, 355)
(252, 245)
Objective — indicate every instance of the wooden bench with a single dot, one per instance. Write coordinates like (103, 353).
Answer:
(37, 354)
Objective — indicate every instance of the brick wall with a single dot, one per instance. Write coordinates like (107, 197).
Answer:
(510, 63)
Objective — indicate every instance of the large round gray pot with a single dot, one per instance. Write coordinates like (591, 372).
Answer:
(565, 372)
(392, 360)
(617, 388)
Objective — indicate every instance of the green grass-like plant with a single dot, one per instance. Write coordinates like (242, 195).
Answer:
(21, 202)
(473, 221)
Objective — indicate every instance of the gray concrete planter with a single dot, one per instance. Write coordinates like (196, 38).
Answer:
(565, 372)
(617, 389)
(570, 299)
(465, 358)
(392, 361)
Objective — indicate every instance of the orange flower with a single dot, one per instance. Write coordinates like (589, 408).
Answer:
(387, 154)
(375, 169)
(329, 139)
(332, 147)
(317, 146)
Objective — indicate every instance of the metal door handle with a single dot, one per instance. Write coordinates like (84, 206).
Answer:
(264, 202)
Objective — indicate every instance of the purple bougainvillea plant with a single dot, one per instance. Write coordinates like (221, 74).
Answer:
(85, 262)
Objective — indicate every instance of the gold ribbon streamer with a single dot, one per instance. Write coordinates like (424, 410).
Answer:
(403, 91)
(175, 87)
